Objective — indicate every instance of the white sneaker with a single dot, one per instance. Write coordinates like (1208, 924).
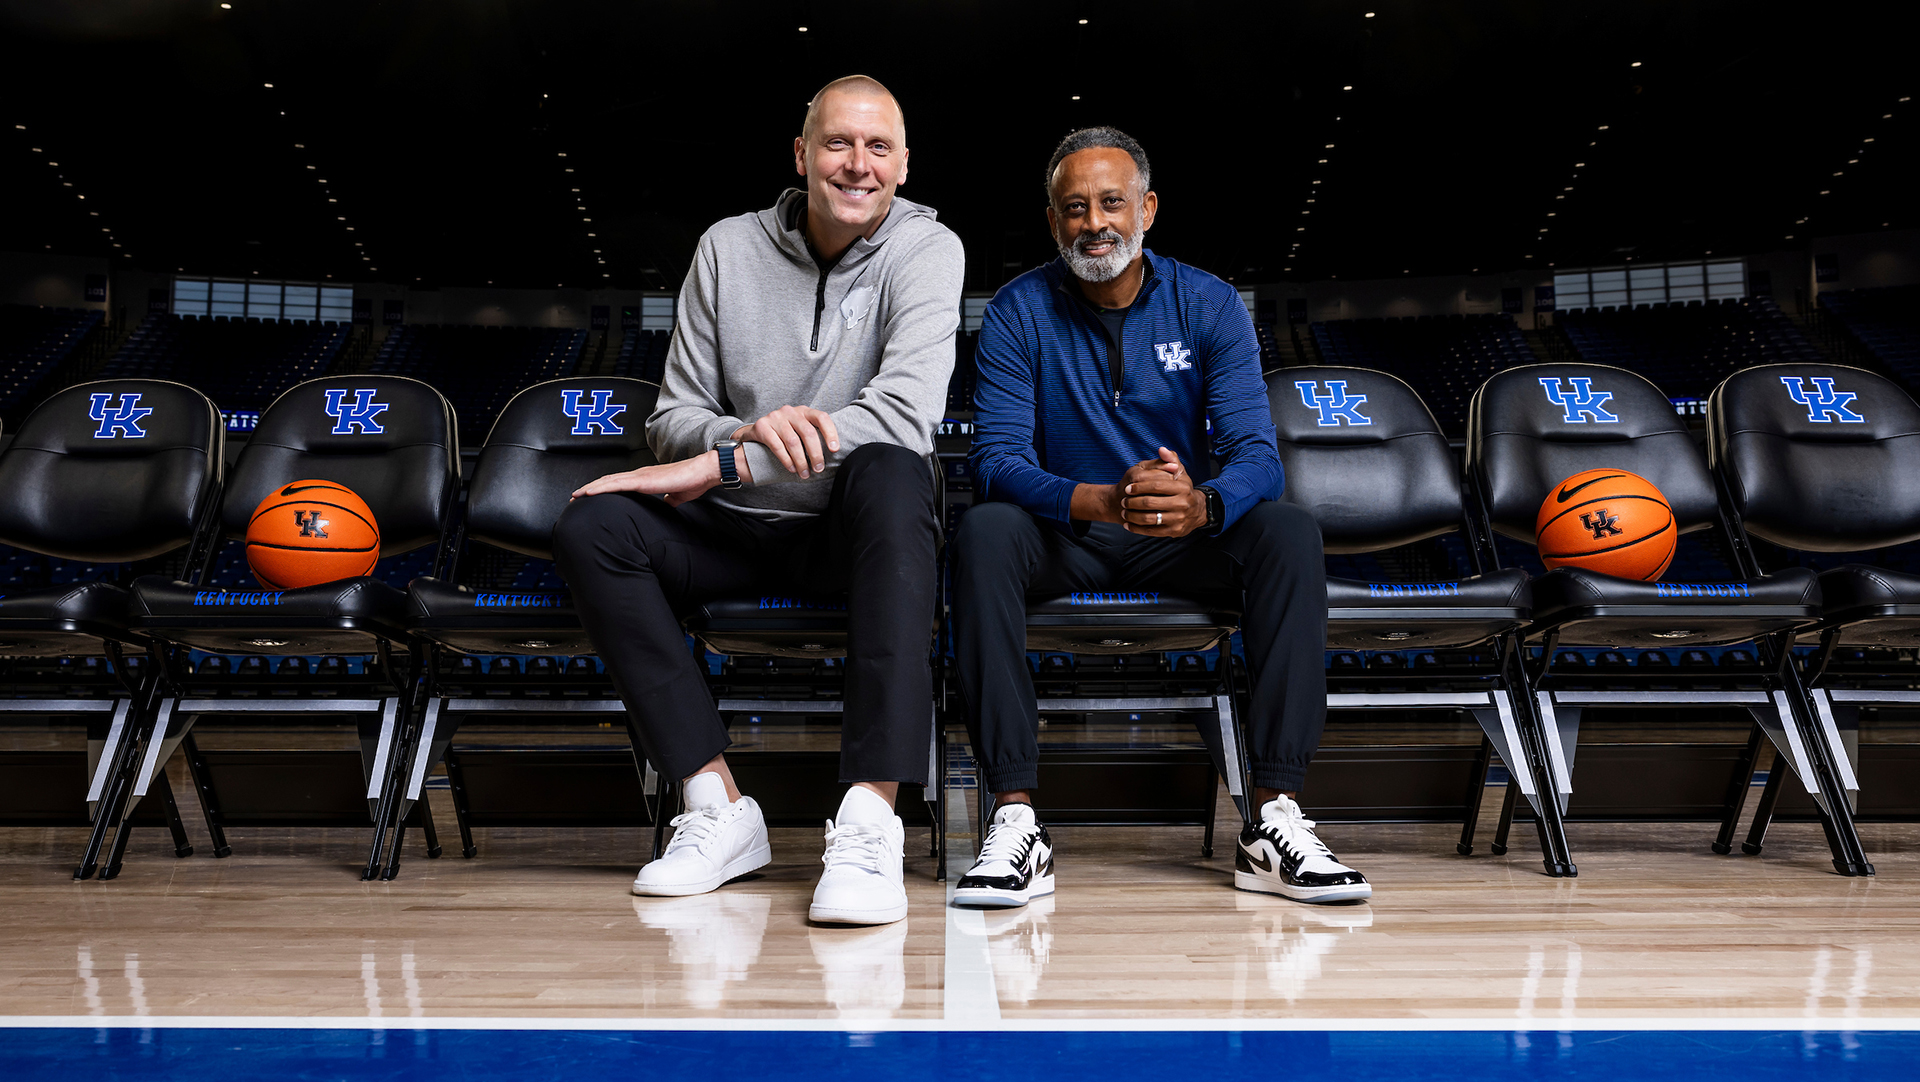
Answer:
(714, 840)
(1281, 855)
(1015, 864)
(863, 881)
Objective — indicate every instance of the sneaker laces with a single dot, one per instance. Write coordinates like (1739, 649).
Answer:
(696, 826)
(1004, 843)
(860, 844)
(1292, 827)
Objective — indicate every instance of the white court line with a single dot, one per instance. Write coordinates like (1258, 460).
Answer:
(969, 997)
(1548, 1024)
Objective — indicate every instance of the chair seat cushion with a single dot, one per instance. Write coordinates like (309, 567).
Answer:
(1600, 610)
(1129, 621)
(779, 624)
(342, 617)
(1875, 606)
(55, 621)
(1426, 615)
(494, 621)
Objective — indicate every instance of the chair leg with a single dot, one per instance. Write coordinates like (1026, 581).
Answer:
(456, 785)
(1506, 820)
(1737, 787)
(1213, 810)
(1476, 795)
(209, 799)
(111, 809)
(182, 846)
(1763, 814)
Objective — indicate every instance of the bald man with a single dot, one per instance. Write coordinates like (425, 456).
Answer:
(811, 350)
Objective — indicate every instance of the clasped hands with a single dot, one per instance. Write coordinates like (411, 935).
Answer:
(1156, 498)
(799, 436)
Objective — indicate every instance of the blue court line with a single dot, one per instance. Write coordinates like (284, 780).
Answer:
(495, 1055)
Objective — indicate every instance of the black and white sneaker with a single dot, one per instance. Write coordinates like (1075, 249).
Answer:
(1280, 855)
(1015, 864)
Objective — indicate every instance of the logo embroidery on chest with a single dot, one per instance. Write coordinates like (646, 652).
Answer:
(858, 302)
(1172, 357)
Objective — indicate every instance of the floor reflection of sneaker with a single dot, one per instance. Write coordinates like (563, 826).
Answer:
(715, 939)
(1015, 864)
(864, 969)
(1020, 945)
(1281, 855)
(1291, 941)
(714, 840)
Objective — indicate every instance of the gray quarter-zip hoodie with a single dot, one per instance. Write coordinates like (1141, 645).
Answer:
(759, 326)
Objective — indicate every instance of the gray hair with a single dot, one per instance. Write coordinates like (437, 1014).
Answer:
(1095, 138)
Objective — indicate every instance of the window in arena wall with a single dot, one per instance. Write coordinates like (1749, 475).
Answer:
(973, 312)
(656, 313)
(246, 298)
(1655, 283)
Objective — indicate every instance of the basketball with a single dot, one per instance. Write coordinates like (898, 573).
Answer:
(1610, 521)
(310, 532)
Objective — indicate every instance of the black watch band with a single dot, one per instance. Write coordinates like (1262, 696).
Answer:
(729, 473)
(1216, 510)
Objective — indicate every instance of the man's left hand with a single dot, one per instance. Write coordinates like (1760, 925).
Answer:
(1158, 499)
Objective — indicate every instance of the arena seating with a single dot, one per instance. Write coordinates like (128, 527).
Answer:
(1445, 358)
(479, 368)
(33, 342)
(1885, 321)
(1688, 349)
(960, 386)
(242, 364)
(643, 355)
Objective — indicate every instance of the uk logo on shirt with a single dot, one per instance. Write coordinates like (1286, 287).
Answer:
(1172, 357)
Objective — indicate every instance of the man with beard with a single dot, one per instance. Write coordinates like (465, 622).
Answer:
(1098, 375)
(812, 345)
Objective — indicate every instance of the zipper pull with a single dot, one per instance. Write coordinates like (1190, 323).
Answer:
(1116, 400)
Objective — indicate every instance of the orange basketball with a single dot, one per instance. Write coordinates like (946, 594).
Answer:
(1610, 521)
(310, 532)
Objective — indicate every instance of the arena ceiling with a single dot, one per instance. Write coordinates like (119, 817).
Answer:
(430, 141)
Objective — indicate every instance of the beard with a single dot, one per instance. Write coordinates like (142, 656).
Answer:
(1104, 268)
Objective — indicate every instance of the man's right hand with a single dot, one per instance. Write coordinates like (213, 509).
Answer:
(799, 436)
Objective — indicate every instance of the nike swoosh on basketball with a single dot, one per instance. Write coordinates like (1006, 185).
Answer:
(1567, 493)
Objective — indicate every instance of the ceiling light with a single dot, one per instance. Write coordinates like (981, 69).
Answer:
(269, 86)
(1550, 214)
(226, 7)
(563, 154)
(804, 29)
(1853, 161)
(1323, 161)
(1076, 97)
(1636, 63)
(1579, 165)
(1316, 182)
(1083, 22)
(1329, 146)
(1559, 197)
(1369, 14)
(1839, 172)
(1826, 193)
(1346, 88)
(1300, 229)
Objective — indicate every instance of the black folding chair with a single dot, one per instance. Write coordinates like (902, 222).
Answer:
(1825, 459)
(1531, 427)
(1366, 457)
(109, 472)
(550, 439)
(390, 439)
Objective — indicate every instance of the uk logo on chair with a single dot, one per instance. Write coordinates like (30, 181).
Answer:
(120, 421)
(1336, 406)
(355, 416)
(1582, 402)
(1824, 404)
(596, 415)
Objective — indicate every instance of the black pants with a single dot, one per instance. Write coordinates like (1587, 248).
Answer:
(1272, 554)
(636, 567)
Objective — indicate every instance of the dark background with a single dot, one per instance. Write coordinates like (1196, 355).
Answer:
(439, 126)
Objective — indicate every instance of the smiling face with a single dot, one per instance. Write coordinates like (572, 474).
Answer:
(1099, 215)
(853, 155)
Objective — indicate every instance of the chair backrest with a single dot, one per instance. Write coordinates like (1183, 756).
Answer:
(388, 438)
(1818, 456)
(111, 471)
(1364, 455)
(550, 439)
(1533, 426)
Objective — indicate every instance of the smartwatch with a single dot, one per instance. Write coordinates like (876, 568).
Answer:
(1216, 511)
(729, 473)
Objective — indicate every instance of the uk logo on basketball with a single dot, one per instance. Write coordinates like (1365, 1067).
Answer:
(597, 414)
(310, 523)
(1580, 403)
(357, 416)
(1172, 357)
(1336, 406)
(1824, 404)
(120, 421)
(1601, 523)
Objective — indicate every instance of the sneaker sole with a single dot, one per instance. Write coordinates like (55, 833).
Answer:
(989, 898)
(1251, 881)
(739, 866)
(824, 915)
